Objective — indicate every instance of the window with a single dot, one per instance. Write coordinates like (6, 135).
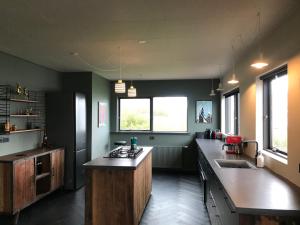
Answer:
(170, 114)
(232, 100)
(157, 114)
(134, 114)
(275, 109)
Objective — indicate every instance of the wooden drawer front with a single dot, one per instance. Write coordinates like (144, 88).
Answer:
(5, 187)
(23, 184)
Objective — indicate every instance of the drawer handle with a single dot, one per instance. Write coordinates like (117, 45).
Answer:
(229, 205)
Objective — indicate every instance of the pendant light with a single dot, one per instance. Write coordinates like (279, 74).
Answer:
(120, 86)
(212, 91)
(233, 79)
(220, 86)
(260, 62)
(131, 91)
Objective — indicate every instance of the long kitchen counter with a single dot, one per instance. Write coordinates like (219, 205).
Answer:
(252, 191)
(119, 163)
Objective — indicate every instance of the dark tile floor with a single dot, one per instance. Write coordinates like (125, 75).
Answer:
(176, 200)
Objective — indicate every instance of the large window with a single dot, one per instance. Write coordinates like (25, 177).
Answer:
(232, 100)
(157, 114)
(275, 110)
(169, 114)
(135, 114)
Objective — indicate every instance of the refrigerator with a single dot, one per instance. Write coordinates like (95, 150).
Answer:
(66, 126)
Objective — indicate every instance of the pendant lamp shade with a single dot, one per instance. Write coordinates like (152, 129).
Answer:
(132, 92)
(233, 80)
(120, 87)
(220, 87)
(212, 92)
(260, 62)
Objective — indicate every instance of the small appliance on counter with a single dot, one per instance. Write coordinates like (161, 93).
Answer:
(233, 145)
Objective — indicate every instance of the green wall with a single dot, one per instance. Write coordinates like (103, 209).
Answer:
(100, 134)
(15, 70)
(193, 89)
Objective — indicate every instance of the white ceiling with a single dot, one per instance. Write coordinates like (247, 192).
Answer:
(186, 39)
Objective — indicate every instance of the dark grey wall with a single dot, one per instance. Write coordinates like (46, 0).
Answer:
(100, 135)
(193, 89)
(15, 70)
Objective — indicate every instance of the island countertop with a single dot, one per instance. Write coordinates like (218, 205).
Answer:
(253, 191)
(118, 163)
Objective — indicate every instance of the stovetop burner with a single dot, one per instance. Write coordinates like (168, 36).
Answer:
(125, 152)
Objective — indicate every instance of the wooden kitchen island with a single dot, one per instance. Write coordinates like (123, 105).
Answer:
(117, 190)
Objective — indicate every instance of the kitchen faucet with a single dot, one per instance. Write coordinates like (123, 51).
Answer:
(256, 148)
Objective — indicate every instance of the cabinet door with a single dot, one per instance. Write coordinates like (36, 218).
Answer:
(24, 184)
(57, 169)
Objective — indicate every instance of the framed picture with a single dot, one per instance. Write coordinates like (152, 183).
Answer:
(204, 111)
(102, 108)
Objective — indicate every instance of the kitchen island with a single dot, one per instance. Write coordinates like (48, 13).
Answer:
(118, 189)
(245, 196)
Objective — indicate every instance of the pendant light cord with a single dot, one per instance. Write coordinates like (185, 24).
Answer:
(120, 66)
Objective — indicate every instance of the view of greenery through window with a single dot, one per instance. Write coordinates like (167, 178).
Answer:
(135, 114)
(279, 107)
(169, 114)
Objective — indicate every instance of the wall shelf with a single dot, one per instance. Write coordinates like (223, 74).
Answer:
(23, 115)
(40, 176)
(22, 100)
(24, 130)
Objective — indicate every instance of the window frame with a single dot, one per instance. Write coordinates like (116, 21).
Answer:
(119, 114)
(235, 92)
(267, 134)
(151, 116)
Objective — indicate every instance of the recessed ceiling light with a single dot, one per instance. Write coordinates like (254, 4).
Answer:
(142, 42)
(74, 53)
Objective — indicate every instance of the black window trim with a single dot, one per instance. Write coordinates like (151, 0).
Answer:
(267, 137)
(235, 92)
(151, 117)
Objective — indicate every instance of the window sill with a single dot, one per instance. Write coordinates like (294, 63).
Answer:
(149, 132)
(278, 157)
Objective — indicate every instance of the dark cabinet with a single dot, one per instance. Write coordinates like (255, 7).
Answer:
(219, 207)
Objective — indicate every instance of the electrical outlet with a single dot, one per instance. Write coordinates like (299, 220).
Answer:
(4, 139)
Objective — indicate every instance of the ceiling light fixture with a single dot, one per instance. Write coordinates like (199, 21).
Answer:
(259, 63)
(220, 86)
(131, 91)
(212, 91)
(141, 42)
(233, 79)
(120, 86)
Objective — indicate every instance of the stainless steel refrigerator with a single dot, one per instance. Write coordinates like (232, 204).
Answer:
(66, 125)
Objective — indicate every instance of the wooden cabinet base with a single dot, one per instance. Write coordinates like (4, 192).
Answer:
(27, 179)
(117, 196)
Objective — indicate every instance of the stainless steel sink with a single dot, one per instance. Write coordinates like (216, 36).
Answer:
(232, 163)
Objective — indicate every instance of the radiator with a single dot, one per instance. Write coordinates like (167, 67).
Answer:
(167, 157)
